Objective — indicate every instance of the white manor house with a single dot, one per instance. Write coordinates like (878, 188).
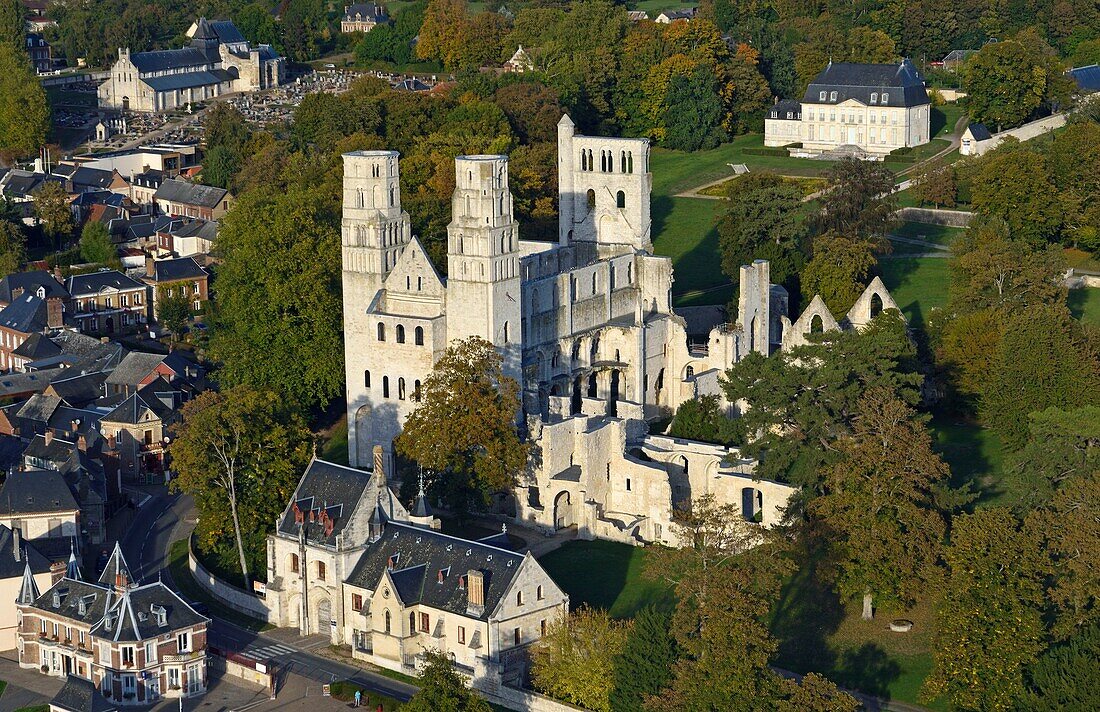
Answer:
(867, 110)
(585, 324)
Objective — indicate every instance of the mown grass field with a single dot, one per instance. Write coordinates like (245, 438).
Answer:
(606, 574)
(918, 284)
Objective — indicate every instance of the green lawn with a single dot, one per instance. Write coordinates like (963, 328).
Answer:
(939, 234)
(917, 284)
(684, 229)
(335, 448)
(605, 574)
(677, 171)
(976, 456)
(1085, 304)
(944, 118)
(186, 585)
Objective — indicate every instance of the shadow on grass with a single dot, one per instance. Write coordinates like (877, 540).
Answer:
(974, 455)
(606, 575)
(804, 620)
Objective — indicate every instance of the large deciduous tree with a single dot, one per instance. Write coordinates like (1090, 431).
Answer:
(96, 246)
(443, 690)
(838, 271)
(173, 309)
(12, 14)
(936, 185)
(725, 581)
(704, 419)
(1044, 359)
(802, 400)
(880, 503)
(13, 247)
(1015, 185)
(239, 453)
(1008, 82)
(277, 320)
(762, 222)
(51, 207)
(858, 200)
(990, 616)
(574, 661)
(644, 667)
(464, 428)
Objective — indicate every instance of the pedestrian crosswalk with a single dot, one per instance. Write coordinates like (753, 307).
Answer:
(268, 652)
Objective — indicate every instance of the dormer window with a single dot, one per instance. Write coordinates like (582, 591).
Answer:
(821, 96)
(885, 97)
(832, 96)
(392, 562)
(874, 97)
(443, 573)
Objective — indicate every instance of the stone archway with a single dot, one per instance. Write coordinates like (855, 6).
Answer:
(363, 444)
(563, 511)
(324, 616)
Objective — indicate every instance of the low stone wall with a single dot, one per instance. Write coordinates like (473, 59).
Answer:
(516, 699)
(932, 216)
(228, 595)
(1077, 279)
(1022, 133)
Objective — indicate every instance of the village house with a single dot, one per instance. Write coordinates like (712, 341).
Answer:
(363, 17)
(669, 16)
(136, 431)
(138, 369)
(186, 237)
(26, 316)
(96, 495)
(144, 186)
(520, 62)
(177, 276)
(16, 557)
(866, 110)
(347, 559)
(40, 505)
(135, 642)
(178, 197)
(107, 302)
(40, 52)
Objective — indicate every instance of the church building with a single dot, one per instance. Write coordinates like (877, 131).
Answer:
(584, 323)
(218, 60)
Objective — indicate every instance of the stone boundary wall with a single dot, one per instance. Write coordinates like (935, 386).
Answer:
(1077, 278)
(228, 595)
(932, 216)
(517, 699)
(1023, 133)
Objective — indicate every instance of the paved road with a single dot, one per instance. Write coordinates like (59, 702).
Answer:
(165, 518)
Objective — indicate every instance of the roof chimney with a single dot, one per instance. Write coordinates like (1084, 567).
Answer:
(17, 543)
(475, 588)
(48, 436)
(82, 444)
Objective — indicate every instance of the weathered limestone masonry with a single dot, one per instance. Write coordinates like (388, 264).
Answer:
(585, 324)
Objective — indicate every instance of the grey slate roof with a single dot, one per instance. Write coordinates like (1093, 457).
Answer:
(366, 11)
(132, 617)
(849, 80)
(37, 346)
(27, 314)
(84, 177)
(134, 409)
(1087, 78)
(30, 282)
(39, 407)
(81, 389)
(418, 555)
(86, 285)
(9, 566)
(133, 368)
(115, 564)
(326, 485)
(80, 695)
(979, 132)
(226, 32)
(163, 60)
(11, 452)
(187, 80)
(176, 269)
(780, 109)
(36, 492)
(180, 191)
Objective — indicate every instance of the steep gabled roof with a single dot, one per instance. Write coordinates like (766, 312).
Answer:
(31, 282)
(83, 285)
(36, 492)
(27, 314)
(417, 558)
(175, 190)
(849, 80)
(116, 564)
(134, 368)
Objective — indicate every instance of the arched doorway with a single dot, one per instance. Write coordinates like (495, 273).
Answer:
(563, 511)
(324, 616)
(752, 504)
(592, 387)
(575, 401)
(362, 434)
(612, 406)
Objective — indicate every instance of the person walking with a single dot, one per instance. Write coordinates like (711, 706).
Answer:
(358, 697)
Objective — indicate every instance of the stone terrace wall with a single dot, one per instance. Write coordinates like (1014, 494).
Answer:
(236, 598)
(931, 216)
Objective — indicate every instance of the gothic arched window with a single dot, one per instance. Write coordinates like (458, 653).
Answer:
(418, 335)
(400, 334)
(381, 331)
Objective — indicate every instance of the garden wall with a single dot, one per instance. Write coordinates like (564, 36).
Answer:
(1023, 133)
(932, 216)
(228, 595)
(517, 699)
